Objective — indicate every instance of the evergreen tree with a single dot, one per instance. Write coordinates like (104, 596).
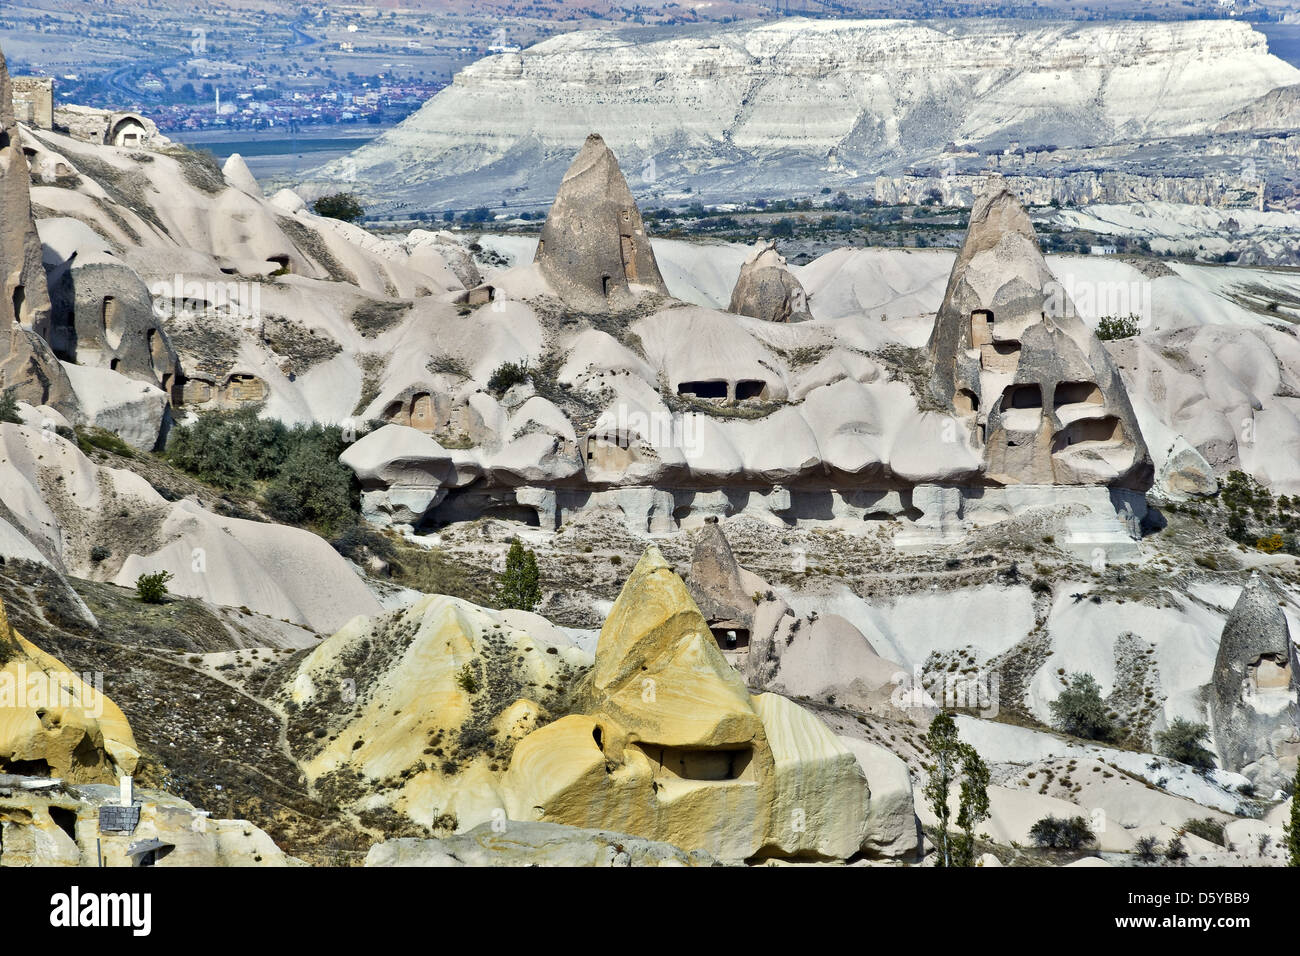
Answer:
(518, 586)
(974, 806)
(945, 754)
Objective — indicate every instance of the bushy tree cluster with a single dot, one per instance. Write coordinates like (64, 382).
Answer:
(295, 468)
(1058, 833)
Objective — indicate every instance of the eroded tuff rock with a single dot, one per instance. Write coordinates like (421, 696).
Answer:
(716, 587)
(457, 716)
(42, 825)
(54, 722)
(533, 844)
(594, 250)
(1253, 696)
(26, 363)
(103, 313)
(1028, 378)
(767, 289)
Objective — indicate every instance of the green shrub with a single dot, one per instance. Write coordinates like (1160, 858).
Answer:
(91, 438)
(1080, 711)
(1183, 741)
(1207, 829)
(1146, 849)
(507, 375)
(1058, 833)
(9, 408)
(98, 553)
(344, 206)
(1176, 851)
(1117, 327)
(152, 588)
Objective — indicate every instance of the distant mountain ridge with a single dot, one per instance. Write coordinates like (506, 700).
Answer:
(743, 108)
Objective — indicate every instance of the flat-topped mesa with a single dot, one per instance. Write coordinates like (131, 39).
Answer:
(26, 363)
(767, 289)
(1010, 354)
(594, 250)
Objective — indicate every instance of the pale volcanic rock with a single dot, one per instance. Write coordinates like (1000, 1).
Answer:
(1026, 374)
(767, 289)
(60, 502)
(533, 844)
(671, 746)
(1255, 690)
(594, 250)
(755, 106)
(53, 722)
(283, 572)
(26, 363)
(457, 686)
(179, 834)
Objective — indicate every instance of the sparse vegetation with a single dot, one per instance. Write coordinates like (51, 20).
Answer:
(1291, 828)
(1207, 829)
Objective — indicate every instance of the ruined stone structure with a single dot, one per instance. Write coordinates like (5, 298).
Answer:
(594, 250)
(1033, 385)
(232, 391)
(125, 129)
(26, 363)
(766, 288)
(34, 101)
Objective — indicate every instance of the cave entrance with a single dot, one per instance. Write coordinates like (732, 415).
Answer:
(730, 638)
(981, 328)
(712, 388)
(690, 763)
(750, 389)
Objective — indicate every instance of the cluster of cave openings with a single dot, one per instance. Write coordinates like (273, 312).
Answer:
(743, 390)
(730, 638)
(981, 328)
(419, 412)
(1104, 429)
(691, 763)
(1076, 393)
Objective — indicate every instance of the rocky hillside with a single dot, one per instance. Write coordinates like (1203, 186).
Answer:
(749, 108)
